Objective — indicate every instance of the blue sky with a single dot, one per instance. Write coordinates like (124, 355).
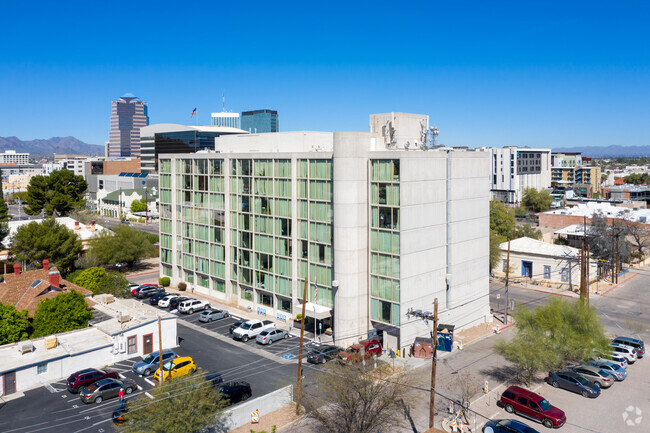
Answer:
(536, 73)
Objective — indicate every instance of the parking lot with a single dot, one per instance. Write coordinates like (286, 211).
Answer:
(624, 407)
(53, 409)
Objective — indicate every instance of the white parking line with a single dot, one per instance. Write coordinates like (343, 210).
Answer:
(495, 414)
(535, 390)
(148, 395)
(149, 382)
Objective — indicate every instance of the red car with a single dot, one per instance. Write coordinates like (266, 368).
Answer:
(87, 377)
(353, 353)
(530, 405)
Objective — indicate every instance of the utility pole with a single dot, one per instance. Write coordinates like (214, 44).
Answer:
(583, 272)
(616, 264)
(434, 350)
(302, 335)
(587, 272)
(505, 312)
(161, 376)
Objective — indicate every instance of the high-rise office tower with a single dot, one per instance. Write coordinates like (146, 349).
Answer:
(128, 115)
(257, 121)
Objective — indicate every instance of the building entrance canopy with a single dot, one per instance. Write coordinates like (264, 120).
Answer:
(314, 311)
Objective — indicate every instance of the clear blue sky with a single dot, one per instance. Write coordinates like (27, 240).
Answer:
(536, 73)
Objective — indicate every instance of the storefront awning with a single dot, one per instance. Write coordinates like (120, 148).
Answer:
(314, 311)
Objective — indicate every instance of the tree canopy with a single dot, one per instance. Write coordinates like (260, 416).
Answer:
(115, 284)
(536, 200)
(64, 312)
(602, 241)
(637, 178)
(14, 325)
(551, 336)
(90, 278)
(139, 205)
(34, 242)
(189, 404)
(123, 245)
(59, 193)
(526, 230)
(502, 220)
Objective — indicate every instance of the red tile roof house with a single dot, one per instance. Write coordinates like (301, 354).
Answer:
(25, 290)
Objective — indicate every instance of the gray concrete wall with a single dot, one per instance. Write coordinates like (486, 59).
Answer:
(241, 414)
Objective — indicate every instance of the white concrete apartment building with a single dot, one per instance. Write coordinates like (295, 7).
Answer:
(13, 157)
(513, 169)
(376, 228)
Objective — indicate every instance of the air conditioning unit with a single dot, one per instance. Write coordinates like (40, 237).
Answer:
(123, 318)
(25, 347)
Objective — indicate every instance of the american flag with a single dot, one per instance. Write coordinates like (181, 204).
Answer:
(193, 113)
(316, 292)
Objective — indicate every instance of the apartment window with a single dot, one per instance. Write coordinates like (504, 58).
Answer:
(565, 274)
(41, 368)
(264, 299)
(547, 272)
(284, 304)
(131, 345)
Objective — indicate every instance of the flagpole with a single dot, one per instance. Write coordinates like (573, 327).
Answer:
(315, 319)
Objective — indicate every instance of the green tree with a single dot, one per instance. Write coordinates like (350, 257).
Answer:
(123, 245)
(14, 325)
(64, 312)
(57, 194)
(178, 406)
(536, 200)
(526, 230)
(502, 220)
(115, 284)
(90, 278)
(551, 336)
(495, 250)
(35, 242)
(139, 205)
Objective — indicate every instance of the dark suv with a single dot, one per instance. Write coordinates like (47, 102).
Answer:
(173, 304)
(322, 354)
(235, 392)
(146, 291)
(530, 405)
(87, 377)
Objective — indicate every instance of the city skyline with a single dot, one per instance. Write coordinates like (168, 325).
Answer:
(552, 75)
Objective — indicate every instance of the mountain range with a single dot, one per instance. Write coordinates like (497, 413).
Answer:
(40, 148)
(614, 151)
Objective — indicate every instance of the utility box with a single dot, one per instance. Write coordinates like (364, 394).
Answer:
(51, 342)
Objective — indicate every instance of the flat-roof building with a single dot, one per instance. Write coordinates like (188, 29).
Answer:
(260, 121)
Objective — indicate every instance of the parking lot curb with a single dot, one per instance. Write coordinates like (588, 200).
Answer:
(245, 346)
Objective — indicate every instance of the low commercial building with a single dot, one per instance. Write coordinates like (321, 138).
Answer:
(13, 157)
(117, 204)
(129, 330)
(560, 218)
(628, 192)
(374, 222)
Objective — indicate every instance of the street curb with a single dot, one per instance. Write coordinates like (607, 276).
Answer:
(141, 273)
(556, 294)
(505, 327)
(613, 287)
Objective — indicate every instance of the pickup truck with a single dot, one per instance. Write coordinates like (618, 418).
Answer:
(251, 328)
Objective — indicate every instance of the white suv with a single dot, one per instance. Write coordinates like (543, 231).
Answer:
(164, 302)
(192, 305)
(627, 352)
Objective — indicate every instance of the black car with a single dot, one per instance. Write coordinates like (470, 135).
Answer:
(235, 392)
(214, 378)
(147, 291)
(153, 300)
(173, 304)
(572, 381)
(507, 426)
(322, 354)
(235, 326)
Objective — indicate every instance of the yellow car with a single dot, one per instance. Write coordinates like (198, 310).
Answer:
(176, 368)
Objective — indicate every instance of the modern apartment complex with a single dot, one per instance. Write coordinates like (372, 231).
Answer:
(260, 121)
(570, 170)
(12, 157)
(172, 138)
(513, 169)
(376, 227)
(128, 115)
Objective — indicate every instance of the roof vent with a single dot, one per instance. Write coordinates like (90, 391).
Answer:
(25, 347)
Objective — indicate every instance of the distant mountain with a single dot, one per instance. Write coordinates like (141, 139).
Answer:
(46, 148)
(614, 151)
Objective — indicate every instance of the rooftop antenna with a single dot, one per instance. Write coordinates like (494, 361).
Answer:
(223, 96)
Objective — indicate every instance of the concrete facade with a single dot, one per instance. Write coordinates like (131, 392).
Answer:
(379, 225)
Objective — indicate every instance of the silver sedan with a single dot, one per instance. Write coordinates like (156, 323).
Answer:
(271, 335)
(210, 315)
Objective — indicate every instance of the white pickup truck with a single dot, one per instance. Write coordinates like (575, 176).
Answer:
(251, 328)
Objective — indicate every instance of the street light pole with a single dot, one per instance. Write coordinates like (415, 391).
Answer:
(146, 206)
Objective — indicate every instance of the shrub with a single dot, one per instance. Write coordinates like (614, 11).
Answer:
(298, 316)
(164, 281)
(182, 287)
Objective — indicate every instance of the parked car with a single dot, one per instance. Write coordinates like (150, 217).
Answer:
(507, 426)
(164, 302)
(208, 316)
(235, 325)
(214, 378)
(627, 352)
(235, 392)
(572, 381)
(153, 300)
(133, 286)
(530, 405)
(176, 367)
(175, 302)
(271, 335)
(145, 292)
(105, 389)
(322, 354)
(134, 291)
(613, 357)
(87, 377)
(612, 368)
(595, 375)
(371, 347)
(191, 305)
(633, 342)
(251, 329)
(151, 362)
